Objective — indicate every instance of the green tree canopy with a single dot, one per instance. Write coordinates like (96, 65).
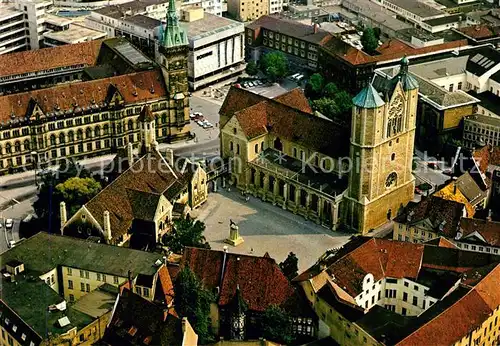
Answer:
(330, 90)
(326, 106)
(186, 232)
(49, 197)
(369, 41)
(276, 325)
(290, 266)
(343, 101)
(274, 65)
(314, 85)
(193, 301)
(252, 68)
(77, 191)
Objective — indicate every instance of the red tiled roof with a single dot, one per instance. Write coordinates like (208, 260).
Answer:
(134, 87)
(239, 98)
(380, 257)
(166, 285)
(464, 316)
(391, 50)
(441, 242)
(49, 58)
(480, 31)
(295, 98)
(291, 124)
(489, 230)
(148, 175)
(482, 157)
(260, 280)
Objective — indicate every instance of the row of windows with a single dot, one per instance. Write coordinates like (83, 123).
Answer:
(478, 248)
(85, 274)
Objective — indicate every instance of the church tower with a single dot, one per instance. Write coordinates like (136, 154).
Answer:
(172, 55)
(382, 139)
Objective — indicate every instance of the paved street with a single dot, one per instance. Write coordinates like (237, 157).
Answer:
(265, 228)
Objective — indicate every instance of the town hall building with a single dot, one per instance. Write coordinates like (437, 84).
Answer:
(282, 152)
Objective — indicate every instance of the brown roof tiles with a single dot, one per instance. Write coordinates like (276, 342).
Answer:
(134, 87)
(489, 230)
(260, 280)
(50, 58)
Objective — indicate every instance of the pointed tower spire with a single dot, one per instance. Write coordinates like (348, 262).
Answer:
(407, 80)
(174, 34)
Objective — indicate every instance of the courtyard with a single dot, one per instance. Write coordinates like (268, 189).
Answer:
(265, 228)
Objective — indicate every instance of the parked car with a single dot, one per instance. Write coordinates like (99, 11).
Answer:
(433, 165)
(9, 223)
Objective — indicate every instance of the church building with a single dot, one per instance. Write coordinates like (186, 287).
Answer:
(282, 152)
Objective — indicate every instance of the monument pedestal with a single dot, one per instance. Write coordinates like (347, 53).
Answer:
(234, 236)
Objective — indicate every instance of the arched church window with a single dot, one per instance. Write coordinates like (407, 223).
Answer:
(395, 120)
(391, 180)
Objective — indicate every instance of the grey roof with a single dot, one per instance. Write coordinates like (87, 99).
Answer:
(471, 190)
(483, 60)
(44, 252)
(368, 97)
(418, 8)
(143, 21)
(441, 68)
(483, 119)
(209, 25)
(445, 20)
(376, 13)
(289, 28)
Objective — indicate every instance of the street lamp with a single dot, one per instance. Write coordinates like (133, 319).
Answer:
(34, 157)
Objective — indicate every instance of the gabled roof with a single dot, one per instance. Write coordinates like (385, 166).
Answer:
(443, 215)
(137, 321)
(382, 258)
(271, 116)
(368, 98)
(441, 242)
(489, 230)
(166, 288)
(470, 189)
(451, 192)
(239, 98)
(71, 99)
(461, 318)
(84, 53)
(144, 182)
(259, 279)
(146, 114)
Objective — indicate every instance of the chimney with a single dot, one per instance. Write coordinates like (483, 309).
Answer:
(63, 214)
(129, 277)
(455, 188)
(107, 227)
(490, 214)
(169, 156)
(315, 28)
(130, 154)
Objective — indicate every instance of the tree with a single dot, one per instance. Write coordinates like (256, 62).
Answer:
(314, 85)
(46, 205)
(186, 232)
(274, 65)
(326, 106)
(377, 33)
(369, 41)
(290, 267)
(330, 90)
(343, 101)
(76, 191)
(193, 301)
(252, 68)
(276, 325)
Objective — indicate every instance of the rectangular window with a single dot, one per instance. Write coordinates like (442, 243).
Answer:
(71, 298)
(115, 279)
(103, 278)
(405, 296)
(415, 301)
(146, 292)
(82, 273)
(70, 284)
(138, 290)
(98, 277)
(82, 287)
(403, 312)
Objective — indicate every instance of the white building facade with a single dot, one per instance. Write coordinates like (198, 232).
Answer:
(13, 35)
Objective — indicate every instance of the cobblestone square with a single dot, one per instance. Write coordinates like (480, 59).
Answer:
(265, 228)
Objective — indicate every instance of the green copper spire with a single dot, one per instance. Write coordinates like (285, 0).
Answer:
(174, 34)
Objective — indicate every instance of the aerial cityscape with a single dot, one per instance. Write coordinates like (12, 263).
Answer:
(249, 173)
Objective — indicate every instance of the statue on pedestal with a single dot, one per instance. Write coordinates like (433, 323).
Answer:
(234, 234)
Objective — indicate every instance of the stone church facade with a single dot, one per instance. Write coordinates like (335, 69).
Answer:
(283, 153)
